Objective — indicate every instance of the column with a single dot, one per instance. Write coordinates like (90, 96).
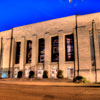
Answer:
(6, 66)
(61, 52)
(0, 52)
(47, 54)
(97, 55)
(34, 53)
(23, 55)
(1, 43)
(96, 45)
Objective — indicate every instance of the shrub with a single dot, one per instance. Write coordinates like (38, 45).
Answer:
(45, 74)
(31, 74)
(84, 80)
(80, 79)
(60, 74)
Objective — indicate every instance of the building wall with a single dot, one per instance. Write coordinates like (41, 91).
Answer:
(48, 29)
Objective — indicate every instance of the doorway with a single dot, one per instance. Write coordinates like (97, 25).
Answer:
(70, 72)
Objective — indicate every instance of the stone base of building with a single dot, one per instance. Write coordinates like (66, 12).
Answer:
(92, 76)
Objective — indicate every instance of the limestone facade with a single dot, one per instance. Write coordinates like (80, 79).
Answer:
(46, 30)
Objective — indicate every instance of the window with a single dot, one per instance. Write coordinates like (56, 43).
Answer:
(55, 49)
(29, 52)
(2, 56)
(69, 47)
(41, 50)
(18, 46)
(99, 41)
(92, 50)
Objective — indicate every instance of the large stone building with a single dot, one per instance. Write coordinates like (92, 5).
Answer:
(70, 44)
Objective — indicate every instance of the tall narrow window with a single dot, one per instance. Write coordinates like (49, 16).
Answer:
(92, 50)
(69, 47)
(2, 56)
(29, 52)
(2, 53)
(99, 41)
(55, 49)
(41, 50)
(18, 46)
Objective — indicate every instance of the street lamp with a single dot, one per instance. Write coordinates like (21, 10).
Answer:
(9, 71)
(93, 23)
(76, 27)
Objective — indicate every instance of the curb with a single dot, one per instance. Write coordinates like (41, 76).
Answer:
(60, 84)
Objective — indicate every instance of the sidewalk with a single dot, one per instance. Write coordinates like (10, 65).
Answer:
(47, 82)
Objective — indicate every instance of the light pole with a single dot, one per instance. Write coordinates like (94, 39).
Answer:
(93, 23)
(77, 45)
(10, 53)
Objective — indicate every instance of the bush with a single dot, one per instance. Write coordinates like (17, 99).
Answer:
(60, 74)
(45, 74)
(84, 80)
(80, 79)
(31, 74)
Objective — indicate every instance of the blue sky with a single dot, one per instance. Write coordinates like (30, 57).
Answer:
(14, 13)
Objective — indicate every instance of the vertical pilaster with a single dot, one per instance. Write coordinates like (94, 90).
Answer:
(47, 54)
(6, 54)
(96, 46)
(34, 53)
(0, 52)
(23, 57)
(13, 57)
(1, 55)
(97, 56)
(61, 52)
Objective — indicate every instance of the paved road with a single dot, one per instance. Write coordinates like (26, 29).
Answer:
(25, 92)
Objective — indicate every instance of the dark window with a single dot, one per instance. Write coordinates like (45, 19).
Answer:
(29, 52)
(99, 41)
(18, 46)
(55, 49)
(69, 47)
(92, 50)
(41, 50)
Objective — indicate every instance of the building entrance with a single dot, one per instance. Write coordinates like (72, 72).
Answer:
(70, 72)
(54, 72)
(40, 73)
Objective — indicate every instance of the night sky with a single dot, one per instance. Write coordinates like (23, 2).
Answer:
(14, 13)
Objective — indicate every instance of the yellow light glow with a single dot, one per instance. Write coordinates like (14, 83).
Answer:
(70, 0)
